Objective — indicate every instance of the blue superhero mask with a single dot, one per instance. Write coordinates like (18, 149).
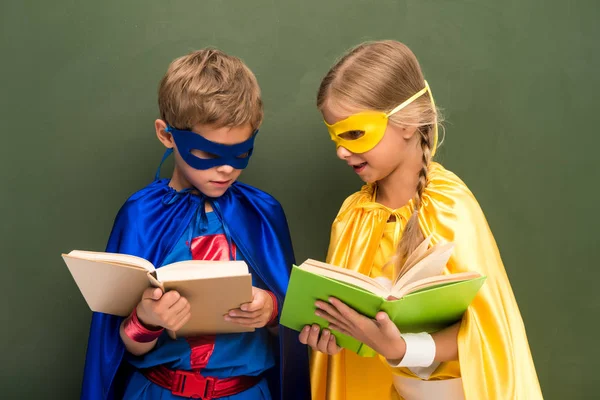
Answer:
(236, 155)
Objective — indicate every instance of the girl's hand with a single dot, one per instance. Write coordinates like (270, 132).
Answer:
(255, 314)
(325, 342)
(380, 333)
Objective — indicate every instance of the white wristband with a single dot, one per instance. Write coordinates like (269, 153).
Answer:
(420, 351)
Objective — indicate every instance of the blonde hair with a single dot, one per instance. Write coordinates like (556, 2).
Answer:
(379, 76)
(209, 87)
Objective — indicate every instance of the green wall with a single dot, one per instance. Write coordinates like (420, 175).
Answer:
(517, 79)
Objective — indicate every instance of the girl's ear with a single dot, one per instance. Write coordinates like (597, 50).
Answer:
(408, 132)
(165, 137)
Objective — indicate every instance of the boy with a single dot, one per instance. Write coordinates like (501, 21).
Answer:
(210, 109)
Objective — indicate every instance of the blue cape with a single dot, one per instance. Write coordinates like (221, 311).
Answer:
(149, 224)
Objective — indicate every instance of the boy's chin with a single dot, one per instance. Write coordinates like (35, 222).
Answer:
(213, 190)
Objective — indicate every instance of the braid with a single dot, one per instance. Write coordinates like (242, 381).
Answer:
(412, 235)
(426, 148)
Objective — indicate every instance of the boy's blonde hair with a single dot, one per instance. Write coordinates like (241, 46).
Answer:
(379, 76)
(209, 87)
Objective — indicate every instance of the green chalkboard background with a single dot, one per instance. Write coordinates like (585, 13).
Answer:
(518, 81)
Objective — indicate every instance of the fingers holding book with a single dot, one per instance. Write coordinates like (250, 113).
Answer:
(336, 320)
(169, 310)
(256, 314)
(318, 340)
(380, 334)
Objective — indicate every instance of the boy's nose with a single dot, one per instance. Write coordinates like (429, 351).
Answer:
(225, 169)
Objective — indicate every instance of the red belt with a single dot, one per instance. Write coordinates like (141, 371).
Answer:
(193, 385)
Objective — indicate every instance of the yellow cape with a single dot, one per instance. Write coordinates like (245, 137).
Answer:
(495, 360)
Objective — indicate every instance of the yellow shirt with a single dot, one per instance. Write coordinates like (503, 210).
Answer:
(496, 362)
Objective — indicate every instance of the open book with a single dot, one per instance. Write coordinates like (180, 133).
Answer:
(420, 299)
(113, 284)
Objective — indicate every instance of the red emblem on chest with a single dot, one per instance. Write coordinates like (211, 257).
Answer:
(208, 248)
(212, 248)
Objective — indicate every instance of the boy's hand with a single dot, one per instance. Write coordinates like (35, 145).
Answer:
(255, 314)
(168, 310)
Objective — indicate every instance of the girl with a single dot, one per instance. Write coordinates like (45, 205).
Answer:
(379, 111)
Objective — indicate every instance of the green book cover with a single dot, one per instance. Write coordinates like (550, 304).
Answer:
(427, 310)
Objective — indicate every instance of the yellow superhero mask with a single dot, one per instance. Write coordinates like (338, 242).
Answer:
(361, 132)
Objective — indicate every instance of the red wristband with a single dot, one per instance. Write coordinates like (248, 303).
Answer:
(137, 332)
(275, 313)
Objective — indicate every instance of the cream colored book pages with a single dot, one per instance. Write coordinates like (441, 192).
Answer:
(431, 265)
(198, 269)
(346, 276)
(414, 257)
(109, 288)
(434, 281)
(114, 258)
(339, 270)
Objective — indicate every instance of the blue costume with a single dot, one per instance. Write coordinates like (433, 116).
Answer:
(220, 356)
(163, 226)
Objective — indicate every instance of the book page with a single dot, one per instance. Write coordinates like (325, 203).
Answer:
(345, 275)
(198, 269)
(414, 257)
(113, 258)
(385, 282)
(435, 281)
(108, 287)
(432, 264)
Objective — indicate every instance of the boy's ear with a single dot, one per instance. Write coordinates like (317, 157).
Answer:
(165, 137)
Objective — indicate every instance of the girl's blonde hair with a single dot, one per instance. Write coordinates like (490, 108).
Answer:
(379, 76)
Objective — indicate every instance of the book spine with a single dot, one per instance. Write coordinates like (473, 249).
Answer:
(366, 351)
(155, 282)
